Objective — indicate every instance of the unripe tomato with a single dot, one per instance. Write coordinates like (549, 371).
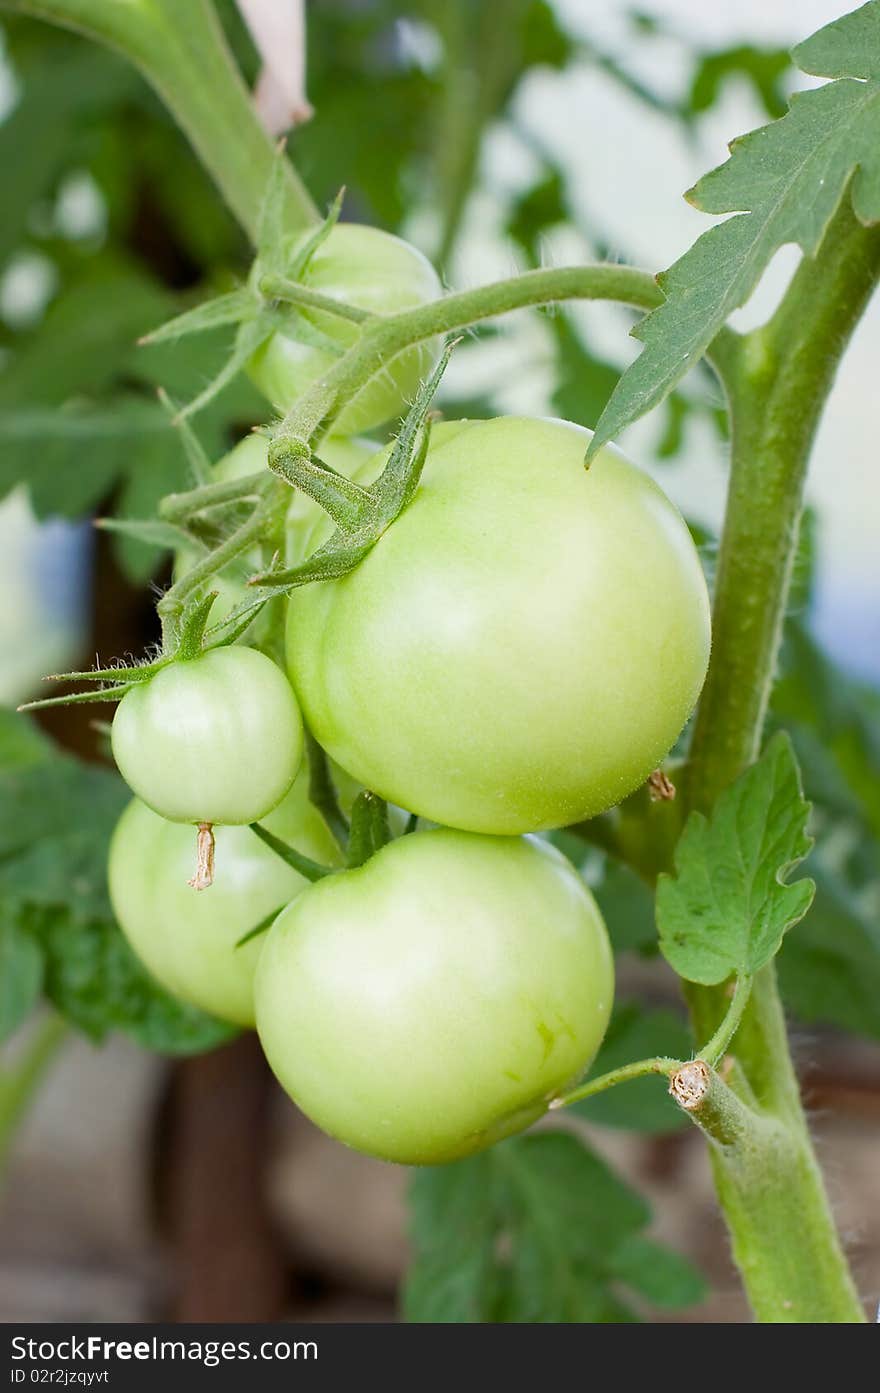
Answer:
(186, 939)
(375, 271)
(249, 456)
(522, 646)
(217, 739)
(433, 1001)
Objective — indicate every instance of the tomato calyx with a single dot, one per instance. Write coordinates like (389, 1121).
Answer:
(361, 515)
(273, 299)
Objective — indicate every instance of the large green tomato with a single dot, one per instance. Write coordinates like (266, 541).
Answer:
(375, 271)
(523, 645)
(217, 739)
(249, 456)
(187, 939)
(434, 1001)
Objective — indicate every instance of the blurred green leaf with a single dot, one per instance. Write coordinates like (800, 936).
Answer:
(21, 974)
(728, 905)
(764, 69)
(531, 1231)
(56, 925)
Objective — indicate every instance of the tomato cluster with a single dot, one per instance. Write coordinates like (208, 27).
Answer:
(517, 652)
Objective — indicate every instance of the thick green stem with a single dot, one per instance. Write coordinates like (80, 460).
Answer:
(180, 48)
(783, 1233)
(21, 1081)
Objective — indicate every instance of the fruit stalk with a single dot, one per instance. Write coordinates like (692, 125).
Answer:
(784, 1237)
(182, 52)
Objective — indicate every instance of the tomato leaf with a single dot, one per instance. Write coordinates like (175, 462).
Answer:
(538, 1229)
(830, 969)
(728, 906)
(783, 182)
(56, 926)
(21, 974)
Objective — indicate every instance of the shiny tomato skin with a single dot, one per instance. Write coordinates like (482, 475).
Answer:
(433, 1001)
(524, 644)
(216, 739)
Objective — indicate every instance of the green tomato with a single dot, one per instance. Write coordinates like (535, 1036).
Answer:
(523, 645)
(188, 940)
(375, 271)
(249, 456)
(217, 739)
(433, 1001)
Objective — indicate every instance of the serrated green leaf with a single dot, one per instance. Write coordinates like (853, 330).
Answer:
(527, 1232)
(21, 973)
(453, 1225)
(783, 182)
(728, 906)
(642, 1105)
(96, 982)
(21, 741)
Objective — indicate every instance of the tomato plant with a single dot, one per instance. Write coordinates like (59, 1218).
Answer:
(375, 271)
(216, 739)
(187, 940)
(520, 673)
(434, 1000)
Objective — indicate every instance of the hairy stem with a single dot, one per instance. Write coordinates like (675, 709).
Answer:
(786, 370)
(385, 336)
(172, 604)
(181, 50)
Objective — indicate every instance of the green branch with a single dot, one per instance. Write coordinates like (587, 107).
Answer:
(383, 337)
(180, 48)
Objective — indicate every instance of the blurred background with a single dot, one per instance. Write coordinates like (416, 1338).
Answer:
(139, 1187)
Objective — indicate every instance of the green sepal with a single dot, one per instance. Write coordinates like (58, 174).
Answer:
(264, 925)
(77, 698)
(193, 623)
(196, 455)
(231, 308)
(370, 828)
(316, 239)
(152, 532)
